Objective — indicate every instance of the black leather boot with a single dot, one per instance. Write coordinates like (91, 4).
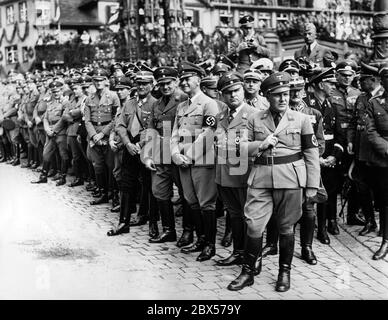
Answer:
(354, 220)
(238, 234)
(382, 252)
(186, 238)
(210, 229)
(42, 178)
(227, 239)
(167, 214)
(61, 181)
(90, 186)
(332, 227)
(141, 220)
(272, 236)
(125, 215)
(369, 227)
(381, 222)
(196, 246)
(199, 230)
(306, 238)
(77, 182)
(102, 199)
(286, 252)
(321, 219)
(251, 265)
(153, 230)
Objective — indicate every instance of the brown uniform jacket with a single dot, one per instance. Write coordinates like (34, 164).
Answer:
(193, 131)
(100, 112)
(377, 130)
(232, 162)
(134, 117)
(295, 135)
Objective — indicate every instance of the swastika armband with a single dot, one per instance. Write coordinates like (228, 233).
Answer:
(309, 141)
(209, 121)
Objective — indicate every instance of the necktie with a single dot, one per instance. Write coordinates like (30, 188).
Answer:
(308, 50)
(276, 118)
(231, 114)
(189, 100)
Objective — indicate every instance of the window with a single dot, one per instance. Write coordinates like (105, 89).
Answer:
(11, 54)
(10, 14)
(22, 11)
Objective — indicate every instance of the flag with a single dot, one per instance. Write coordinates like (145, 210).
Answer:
(113, 14)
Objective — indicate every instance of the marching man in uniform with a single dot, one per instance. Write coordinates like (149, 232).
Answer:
(286, 168)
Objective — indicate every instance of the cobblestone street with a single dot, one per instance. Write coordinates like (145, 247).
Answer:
(53, 245)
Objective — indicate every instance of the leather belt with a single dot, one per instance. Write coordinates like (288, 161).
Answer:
(328, 137)
(101, 123)
(269, 161)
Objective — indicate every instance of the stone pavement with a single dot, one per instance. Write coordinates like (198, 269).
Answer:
(53, 245)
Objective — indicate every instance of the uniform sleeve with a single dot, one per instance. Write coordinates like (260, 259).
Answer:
(205, 140)
(115, 105)
(61, 124)
(351, 132)
(66, 114)
(122, 124)
(253, 145)
(379, 144)
(319, 133)
(311, 153)
(339, 135)
(88, 124)
(174, 144)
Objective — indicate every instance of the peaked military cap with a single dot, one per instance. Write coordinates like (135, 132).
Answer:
(263, 64)
(165, 74)
(289, 65)
(326, 75)
(144, 76)
(225, 60)
(253, 74)
(220, 67)
(123, 83)
(228, 80)
(55, 86)
(348, 66)
(276, 83)
(100, 74)
(368, 71)
(246, 21)
(189, 69)
(383, 70)
(73, 82)
(297, 83)
(85, 81)
(209, 82)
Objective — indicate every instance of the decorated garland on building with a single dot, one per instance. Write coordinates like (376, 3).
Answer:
(16, 30)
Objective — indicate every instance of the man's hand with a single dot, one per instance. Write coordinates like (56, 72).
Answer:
(97, 137)
(113, 145)
(29, 124)
(79, 139)
(269, 142)
(38, 120)
(310, 193)
(150, 164)
(322, 162)
(180, 160)
(50, 132)
(330, 161)
(132, 149)
(350, 148)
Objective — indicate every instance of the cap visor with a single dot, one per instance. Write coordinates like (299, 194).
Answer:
(280, 89)
(166, 80)
(232, 86)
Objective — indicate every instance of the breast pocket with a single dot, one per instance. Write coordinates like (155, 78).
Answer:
(293, 136)
(260, 133)
(196, 120)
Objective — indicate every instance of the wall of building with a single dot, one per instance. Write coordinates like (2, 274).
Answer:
(24, 42)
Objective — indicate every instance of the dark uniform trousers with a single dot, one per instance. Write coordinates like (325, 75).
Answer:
(377, 134)
(277, 188)
(53, 145)
(129, 125)
(344, 100)
(99, 112)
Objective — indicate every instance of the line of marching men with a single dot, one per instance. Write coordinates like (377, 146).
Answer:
(265, 146)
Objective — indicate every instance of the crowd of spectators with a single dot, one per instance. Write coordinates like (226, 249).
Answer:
(330, 25)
